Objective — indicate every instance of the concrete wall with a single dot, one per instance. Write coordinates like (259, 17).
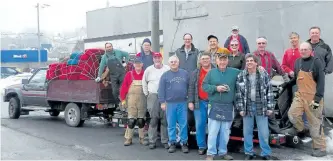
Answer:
(275, 20)
(119, 20)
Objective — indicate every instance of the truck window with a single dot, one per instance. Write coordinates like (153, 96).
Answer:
(39, 77)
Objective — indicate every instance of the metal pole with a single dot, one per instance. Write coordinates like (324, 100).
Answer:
(155, 26)
(38, 34)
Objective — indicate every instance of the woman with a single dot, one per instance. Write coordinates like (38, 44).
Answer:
(236, 58)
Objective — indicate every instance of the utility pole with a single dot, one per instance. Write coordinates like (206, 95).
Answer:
(155, 25)
(38, 34)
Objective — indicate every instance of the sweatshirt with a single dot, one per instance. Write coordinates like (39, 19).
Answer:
(317, 73)
(289, 58)
(173, 86)
(151, 78)
(216, 77)
(128, 79)
(118, 54)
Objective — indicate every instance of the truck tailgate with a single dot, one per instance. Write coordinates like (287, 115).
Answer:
(84, 91)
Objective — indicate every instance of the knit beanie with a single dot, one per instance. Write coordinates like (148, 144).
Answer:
(146, 40)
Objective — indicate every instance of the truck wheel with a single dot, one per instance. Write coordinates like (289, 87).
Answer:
(73, 115)
(14, 109)
(54, 113)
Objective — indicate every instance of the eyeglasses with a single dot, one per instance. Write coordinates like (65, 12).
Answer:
(261, 43)
(173, 62)
(233, 44)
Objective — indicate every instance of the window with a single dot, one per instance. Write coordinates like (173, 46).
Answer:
(8, 70)
(39, 77)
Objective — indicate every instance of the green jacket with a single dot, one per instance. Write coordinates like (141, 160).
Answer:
(118, 54)
(216, 77)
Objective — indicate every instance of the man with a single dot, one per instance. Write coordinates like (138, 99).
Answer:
(289, 58)
(146, 54)
(220, 85)
(310, 80)
(243, 46)
(150, 84)
(291, 55)
(268, 59)
(214, 48)
(172, 94)
(255, 100)
(113, 60)
(136, 104)
(198, 100)
(321, 49)
(188, 54)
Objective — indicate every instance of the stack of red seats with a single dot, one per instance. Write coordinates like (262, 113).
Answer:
(86, 67)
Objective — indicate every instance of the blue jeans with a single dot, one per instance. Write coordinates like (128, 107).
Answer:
(263, 132)
(218, 131)
(306, 123)
(177, 112)
(200, 116)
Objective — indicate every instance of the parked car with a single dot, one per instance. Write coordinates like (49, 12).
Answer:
(8, 71)
(12, 80)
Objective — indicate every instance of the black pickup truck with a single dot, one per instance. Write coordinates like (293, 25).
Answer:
(79, 99)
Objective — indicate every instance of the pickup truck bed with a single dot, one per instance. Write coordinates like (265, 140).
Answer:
(82, 91)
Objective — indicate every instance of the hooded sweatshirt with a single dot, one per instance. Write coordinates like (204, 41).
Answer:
(324, 53)
(118, 54)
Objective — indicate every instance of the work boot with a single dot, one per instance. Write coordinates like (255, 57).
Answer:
(185, 148)
(227, 157)
(210, 157)
(128, 142)
(142, 141)
(172, 148)
(267, 157)
(318, 153)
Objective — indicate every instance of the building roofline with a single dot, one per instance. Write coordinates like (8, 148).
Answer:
(116, 7)
(117, 37)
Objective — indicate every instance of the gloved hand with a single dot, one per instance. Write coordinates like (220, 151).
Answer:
(98, 79)
(123, 103)
(314, 105)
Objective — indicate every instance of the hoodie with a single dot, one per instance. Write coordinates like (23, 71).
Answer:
(324, 53)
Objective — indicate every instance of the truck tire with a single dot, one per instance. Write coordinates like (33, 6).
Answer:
(14, 108)
(54, 113)
(73, 115)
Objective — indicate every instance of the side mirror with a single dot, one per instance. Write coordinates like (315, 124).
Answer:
(25, 81)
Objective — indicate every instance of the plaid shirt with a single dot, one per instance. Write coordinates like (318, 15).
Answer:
(264, 93)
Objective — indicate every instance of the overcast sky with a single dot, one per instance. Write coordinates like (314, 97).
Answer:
(62, 15)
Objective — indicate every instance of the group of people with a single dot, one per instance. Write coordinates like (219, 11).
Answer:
(216, 83)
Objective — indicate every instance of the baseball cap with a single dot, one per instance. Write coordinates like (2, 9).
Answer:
(235, 28)
(156, 54)
(221, 55)
(137, 60)
(212, 36)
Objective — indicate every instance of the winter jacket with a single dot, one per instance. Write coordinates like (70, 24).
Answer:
(146, 59)
(324, 53)
(188, 61)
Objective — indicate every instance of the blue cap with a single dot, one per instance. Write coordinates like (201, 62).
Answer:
(137, 60)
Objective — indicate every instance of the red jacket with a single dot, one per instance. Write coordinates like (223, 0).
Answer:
(128, 81)
(269, 61)
(289, 58)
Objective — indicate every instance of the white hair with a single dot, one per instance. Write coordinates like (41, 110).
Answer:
(262, 39)
(173, 58)
(308, 45)
(234, 41)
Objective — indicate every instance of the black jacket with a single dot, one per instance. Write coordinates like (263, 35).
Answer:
(324, 53)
